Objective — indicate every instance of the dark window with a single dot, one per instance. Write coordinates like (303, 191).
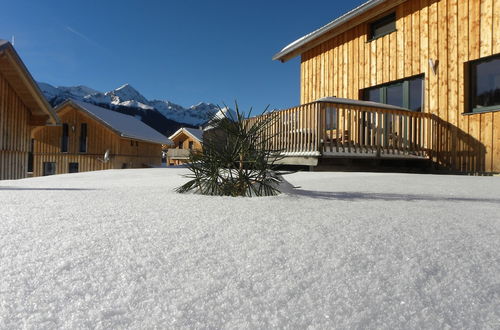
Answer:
(30, 156)
(372, 94)
(394, 94)
(191, 144)
(485, 84)
(83, 138)
(49, 168)
(64, 138)
(131, 143)
(407, 93)
(73, 168)
(383, 26)
(136, 143)
(415, 94)
(180, 144)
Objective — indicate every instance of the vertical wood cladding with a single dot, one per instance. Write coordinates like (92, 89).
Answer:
(452, 32)
(14, 133)
(125, 153)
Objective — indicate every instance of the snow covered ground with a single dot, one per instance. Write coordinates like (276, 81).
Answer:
(120, 249)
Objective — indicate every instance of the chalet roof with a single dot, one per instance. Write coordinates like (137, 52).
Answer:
(305, 43)
(124, 125)
(18, 76)
(194, 132)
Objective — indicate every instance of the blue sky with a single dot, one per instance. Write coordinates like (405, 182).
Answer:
(183, 51)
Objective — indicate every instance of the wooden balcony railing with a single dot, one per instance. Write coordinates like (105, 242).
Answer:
(340, 127)
(178, 153)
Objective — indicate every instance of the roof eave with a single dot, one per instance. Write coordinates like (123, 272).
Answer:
(8, 50)
(128, 136)
(182, 129)
(307, 42)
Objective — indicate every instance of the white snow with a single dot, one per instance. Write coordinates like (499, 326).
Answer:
(120, 249)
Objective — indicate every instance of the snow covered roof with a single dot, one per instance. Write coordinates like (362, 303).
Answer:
(124, 125)
(194, 132)
(297, 47)
(18, 76)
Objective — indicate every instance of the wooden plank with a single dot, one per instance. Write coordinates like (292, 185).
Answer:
(496, 27)
(400, 48)
(408, 56)
(487, 140)
(486, 28)
(433, 55)
(385, 58)
(474, 29)
(452, 75)
(415, 38)
(373, 63)
(496, 143)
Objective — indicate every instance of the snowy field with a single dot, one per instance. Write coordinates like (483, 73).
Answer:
(120, 249)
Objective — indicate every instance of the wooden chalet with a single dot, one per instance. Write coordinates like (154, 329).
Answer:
(93, 138)
(184, 140)
(436, 63)
(22, 108)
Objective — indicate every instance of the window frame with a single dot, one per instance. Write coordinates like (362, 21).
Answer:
(470, 85)
(44, 168)
(77, 167)
(406, 91)
(391, 17)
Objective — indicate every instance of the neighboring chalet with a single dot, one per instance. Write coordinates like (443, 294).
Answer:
(94, 138)
(184, 141)
(435, 63)
(22, 107)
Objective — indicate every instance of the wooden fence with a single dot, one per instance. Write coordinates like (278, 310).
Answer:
(336, 129)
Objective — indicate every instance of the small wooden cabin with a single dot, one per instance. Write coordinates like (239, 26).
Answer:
(94, 138)
(438, 61)
(184, 140)
(22, 107)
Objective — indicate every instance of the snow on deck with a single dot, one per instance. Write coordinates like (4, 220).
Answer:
(120, 249)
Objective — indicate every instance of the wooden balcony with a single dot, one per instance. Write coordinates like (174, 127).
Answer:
(335, 127)
(178, 153)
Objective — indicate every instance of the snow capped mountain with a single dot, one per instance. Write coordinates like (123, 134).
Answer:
(128, 96)
(194, 115)
(76, 92)
(126, 93)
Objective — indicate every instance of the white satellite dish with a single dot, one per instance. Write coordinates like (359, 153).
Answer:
(106, 157)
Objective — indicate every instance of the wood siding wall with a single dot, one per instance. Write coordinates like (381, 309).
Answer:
(14, 133)
(185, 139)
(450, 31)
(124, 152)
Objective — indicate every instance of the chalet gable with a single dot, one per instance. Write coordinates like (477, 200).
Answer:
(18, 76)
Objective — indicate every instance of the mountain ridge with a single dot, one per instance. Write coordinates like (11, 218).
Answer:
(126, 96)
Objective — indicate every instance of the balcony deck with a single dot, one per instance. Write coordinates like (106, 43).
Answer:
(345, 128)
